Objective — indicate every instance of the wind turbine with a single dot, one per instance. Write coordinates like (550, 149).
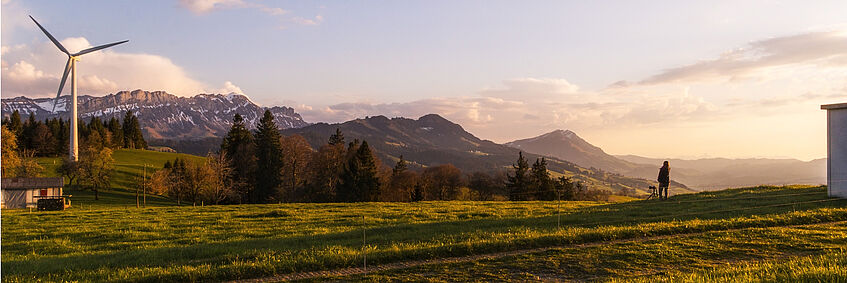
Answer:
(70, 67)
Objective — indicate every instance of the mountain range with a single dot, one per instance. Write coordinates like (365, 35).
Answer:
(161, 115)
(432, 140)
(701, 174)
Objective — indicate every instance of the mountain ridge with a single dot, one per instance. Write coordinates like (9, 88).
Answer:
(704, 174)
(162, 115)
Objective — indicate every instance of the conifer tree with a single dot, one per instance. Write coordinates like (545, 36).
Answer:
(518, 183)
(132, 135)
(359, 181)
(541, 183)
(239, 147)
(117, 133)
(337, 138)
(268, 159)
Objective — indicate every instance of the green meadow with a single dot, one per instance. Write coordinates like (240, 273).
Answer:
(219, 243)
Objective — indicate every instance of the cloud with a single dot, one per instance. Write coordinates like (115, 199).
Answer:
(229, 87)
(759, 58)
(522, 106)
(206, 6)
(35, 71)
(307, 22)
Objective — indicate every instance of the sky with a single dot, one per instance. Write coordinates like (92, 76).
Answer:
(664, 79)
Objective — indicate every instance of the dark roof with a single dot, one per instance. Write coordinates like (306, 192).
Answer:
(32, 183)
(834, 106)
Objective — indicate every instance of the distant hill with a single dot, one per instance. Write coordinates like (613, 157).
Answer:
(161, 115)
(719, 173)
(432, 140)
(703, 174)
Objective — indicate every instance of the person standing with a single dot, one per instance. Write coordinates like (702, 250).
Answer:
(664, 180)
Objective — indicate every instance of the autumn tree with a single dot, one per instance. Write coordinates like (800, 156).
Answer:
(296, 153)
(11, 159)
(442, 182)
(97, 168)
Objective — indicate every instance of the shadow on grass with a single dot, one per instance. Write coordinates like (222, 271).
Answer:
(461, 235)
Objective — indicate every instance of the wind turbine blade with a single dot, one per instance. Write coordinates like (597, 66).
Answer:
(62, 83)
(92, 49)
(53, 39)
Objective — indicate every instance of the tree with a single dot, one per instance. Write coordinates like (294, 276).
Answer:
(360, 180)
(566, 189)
(268, 159)
(442, 182)
(11, 159)
(487, 186)
(133, 138)
(337, 138)
(117, 133)
(42, 140)
(15, 124)
(403, 183)
(70, 169)
(324, 169)
(518, 183)
(295, 159)
(97, 168)
(238, 146)
(218, 187)
(540, 182)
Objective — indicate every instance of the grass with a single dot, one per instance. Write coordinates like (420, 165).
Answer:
(778, 254)
(246, 241)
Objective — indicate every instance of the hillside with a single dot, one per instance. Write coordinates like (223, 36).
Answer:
(703, 174)
(431, 241)
(129, 168)
(162, 115)
(432, 140)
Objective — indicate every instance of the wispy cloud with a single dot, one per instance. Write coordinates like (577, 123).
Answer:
(202, 7)
(759, 58)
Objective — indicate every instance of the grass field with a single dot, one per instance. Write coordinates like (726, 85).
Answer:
(216, 243)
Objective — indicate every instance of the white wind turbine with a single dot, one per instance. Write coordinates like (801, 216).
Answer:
(70, 66)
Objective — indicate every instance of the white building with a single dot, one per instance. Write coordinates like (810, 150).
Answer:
(25, 192)
(836, 121)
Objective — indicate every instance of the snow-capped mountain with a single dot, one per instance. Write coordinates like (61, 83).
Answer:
(162, 115)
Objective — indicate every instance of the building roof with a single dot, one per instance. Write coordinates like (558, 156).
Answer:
(32, 183)
(834, 106)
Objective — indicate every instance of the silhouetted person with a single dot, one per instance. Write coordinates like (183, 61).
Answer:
(664, 180)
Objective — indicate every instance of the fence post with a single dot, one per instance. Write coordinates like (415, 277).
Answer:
(364, 249)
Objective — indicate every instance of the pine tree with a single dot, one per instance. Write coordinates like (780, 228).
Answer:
(117, 133)
(518, 184)
(359, 181)
(400, 167)
(337, 138)
(15, 124)
(239, 147)
(133, 138)
(542, 185)
(268, 159)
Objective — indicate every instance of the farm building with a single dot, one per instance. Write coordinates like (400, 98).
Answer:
(25, 192)
(836, 177)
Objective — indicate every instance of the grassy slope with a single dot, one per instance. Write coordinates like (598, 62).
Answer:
(228, 242)
(754, 254)
(129, 168)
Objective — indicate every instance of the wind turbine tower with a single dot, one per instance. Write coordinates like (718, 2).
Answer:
(70, 67)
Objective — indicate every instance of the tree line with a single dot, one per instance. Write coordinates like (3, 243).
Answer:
(51, 137)
(262, 166)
